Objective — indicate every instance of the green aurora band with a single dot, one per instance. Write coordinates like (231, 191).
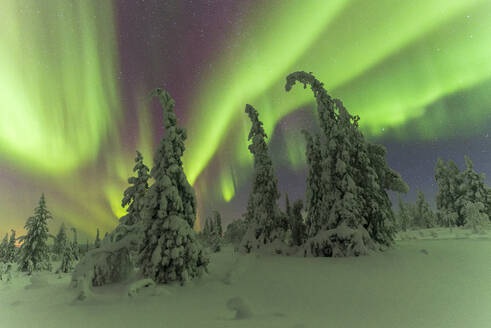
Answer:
(59, 96)
(397, 65)
(388, 64)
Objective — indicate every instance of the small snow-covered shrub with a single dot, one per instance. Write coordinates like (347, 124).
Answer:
(475, 217)
(339, 242)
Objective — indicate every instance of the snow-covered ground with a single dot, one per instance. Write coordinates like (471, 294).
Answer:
(430, 278)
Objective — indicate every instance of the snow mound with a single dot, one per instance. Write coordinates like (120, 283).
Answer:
(134, 287)
(242, 310)
(37, 281)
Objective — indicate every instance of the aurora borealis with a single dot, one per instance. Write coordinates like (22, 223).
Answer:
(75, 78)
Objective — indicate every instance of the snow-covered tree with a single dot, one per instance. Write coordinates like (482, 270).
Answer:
(404, 218)
(447, 219)
(3, 247)
(11, 250)
(34, 254)
(288, 208)
(474, 189)
(75, 246)
(97, 242)
(375, 178)
(351, 178)
(218, 223)
(67, 259)
(235, 231)
(263, 216)
(170, 251)
(298, 228)
(424, 216)
(315, 188)
(135, 194)
(60, 242)
(451, 191)
(488, 201)
(213, 232)
(475, 216)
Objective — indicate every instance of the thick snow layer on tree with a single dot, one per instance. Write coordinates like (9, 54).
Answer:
(108, 264)
(424, 282)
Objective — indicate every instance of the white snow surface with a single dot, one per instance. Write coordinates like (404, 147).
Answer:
(430, 278)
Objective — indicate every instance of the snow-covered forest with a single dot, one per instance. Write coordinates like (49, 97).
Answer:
(343, 256)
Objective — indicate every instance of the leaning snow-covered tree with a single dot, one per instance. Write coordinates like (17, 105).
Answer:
(263, 217)
(34, 254)
(352, 213)
(170, 251)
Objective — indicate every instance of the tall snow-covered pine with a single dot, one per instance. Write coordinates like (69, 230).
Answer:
(170, 250)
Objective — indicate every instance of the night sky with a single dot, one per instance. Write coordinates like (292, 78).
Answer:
(75, 78)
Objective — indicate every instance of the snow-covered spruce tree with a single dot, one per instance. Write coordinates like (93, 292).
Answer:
(67, 259)
(60, 242)
(355, 209)
(298, 227)
(170, 251)
(424, 216)
(235, 231)
(474, 189)
(475, 216)
(135, 194)
(315, 188)
(457, 188)
(404, 218)
(446, 197)
(218, 223)
(264, 218)
(11, 251)
(3, 247)
(380, 218)
(288, 208)
(34, 255)
(211, 236)
(97, 242)
(488, 201)
(75, 246)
